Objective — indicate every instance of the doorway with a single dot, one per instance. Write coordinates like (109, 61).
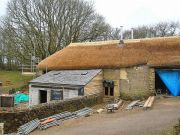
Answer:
(160, 87)
(43, 96)
(168, 81)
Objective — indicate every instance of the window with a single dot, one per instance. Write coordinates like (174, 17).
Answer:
(81, 92)
(106, 91)
(56, 95)
(109, 91)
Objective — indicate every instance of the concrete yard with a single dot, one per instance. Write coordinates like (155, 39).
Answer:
(164, 114)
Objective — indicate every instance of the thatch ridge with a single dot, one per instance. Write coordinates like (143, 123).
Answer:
(153, 52)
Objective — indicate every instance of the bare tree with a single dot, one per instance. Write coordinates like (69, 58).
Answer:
(49, 25)
(158, 30)
(167, 28)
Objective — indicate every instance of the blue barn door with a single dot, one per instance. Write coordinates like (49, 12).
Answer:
(171, 78)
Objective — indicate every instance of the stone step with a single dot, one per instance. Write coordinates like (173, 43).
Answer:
(108, 99)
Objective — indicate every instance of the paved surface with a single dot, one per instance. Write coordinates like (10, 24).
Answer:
(164, 114)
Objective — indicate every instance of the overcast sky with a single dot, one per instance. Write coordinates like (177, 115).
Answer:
(3, 6)
(131, 13)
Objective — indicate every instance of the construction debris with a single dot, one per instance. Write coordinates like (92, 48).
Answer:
(49, 122)
(64, 116)
(135, 104)
(149, 102)
(114, 106)
(100, 110)
(118, 104)
(54, 120)
(28, 127)
(140, 104)
(132, 104)
(83, 112)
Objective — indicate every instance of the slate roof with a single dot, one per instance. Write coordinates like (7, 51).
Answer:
(67, 77)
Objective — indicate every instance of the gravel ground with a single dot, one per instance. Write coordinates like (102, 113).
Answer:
(164, 114)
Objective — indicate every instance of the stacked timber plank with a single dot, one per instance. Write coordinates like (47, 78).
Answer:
(149, 102)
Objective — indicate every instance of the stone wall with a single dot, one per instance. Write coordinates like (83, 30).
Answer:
(138, 84)
(13, 120)
(152, 80)
(95, 85)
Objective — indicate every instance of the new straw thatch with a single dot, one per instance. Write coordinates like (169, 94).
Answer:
(154, 52)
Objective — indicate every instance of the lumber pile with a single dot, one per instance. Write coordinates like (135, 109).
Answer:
(149, 102)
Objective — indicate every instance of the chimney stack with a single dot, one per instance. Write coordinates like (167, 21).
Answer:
(132, 33)
(121, 32)
(121, 42)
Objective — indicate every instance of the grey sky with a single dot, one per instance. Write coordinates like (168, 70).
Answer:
(131, 13)
(3, 6)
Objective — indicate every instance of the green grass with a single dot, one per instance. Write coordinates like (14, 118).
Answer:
(16, 79)
(170, 131)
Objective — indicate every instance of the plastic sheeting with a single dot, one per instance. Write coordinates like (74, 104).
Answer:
(20, 97)
(171, 79)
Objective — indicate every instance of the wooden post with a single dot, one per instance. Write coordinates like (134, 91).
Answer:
(22, 68)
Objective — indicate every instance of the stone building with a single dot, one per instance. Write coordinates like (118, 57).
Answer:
(130, 70)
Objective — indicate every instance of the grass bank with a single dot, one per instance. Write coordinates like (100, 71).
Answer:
(13, 80)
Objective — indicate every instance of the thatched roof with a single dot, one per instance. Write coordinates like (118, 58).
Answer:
(108, 54)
